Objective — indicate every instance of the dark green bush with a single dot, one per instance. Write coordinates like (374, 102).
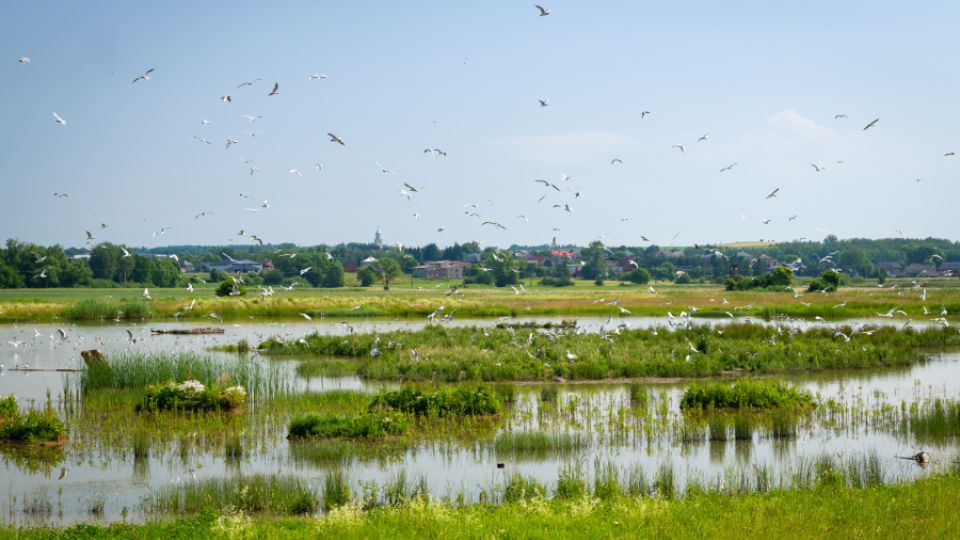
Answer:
(34, 426)
(744, 395)
(365, 426)
(477, 401)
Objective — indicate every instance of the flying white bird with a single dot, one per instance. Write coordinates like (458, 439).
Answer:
(336, 139)
(773, 193)
(24, 60)
(317, 77)
(729, 167)
(144, 77)
(544, 103)
(871, 124)
(543, 11)
(226, 99)
(296, 172)
(703, 138)
(230, 142)
(57, 119)
(679, 147)
(275, 90)
(248, 83)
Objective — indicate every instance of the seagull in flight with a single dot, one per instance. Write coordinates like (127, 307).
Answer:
(644, 114)
(548, 184)
(616, 160)
(871, 124)
(317, 77)
(229, 142)
(248, 83)
(296, 172)
(678, 146)
(383, 169)
(818, 168)
(839, 116)
(703, 138)
(543, 11)
(543, 102)
(201, 139)
(24, 60)
(729, 167)
(336, 139)
(226, 98)
(276, 89)
(773, 193)
(494, 223)
(57, 119)
(144, 77)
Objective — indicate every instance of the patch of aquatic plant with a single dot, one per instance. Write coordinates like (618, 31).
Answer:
(744, 394)
(538, 444)
(138, 371)
(522, 488)
(101, 309)
(363, 426)
(462, 401)
(191, 395)
(32, 426)
(548, 394)
(35, 459)
(336, 490)
(259, 494)
(937, 421)
(502, 354)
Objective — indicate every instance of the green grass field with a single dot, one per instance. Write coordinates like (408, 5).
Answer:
(925, 509)
(404, 301)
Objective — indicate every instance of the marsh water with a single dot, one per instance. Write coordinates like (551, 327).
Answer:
(99, 482)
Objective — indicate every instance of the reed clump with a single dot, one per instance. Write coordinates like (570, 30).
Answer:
(745, 394)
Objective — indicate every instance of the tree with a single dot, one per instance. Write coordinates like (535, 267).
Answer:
(388, 269)
(332, 275)
(366, 275)
(103, 260)
(639, 276)
(430, 252)
(596, 262)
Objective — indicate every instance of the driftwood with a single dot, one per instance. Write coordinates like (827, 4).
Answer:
(921, 457)
(186, 331)
(93, 357)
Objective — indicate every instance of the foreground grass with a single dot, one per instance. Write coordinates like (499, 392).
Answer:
(925, 509)
(581, 300)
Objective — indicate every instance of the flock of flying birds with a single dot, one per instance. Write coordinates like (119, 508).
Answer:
(407, 190)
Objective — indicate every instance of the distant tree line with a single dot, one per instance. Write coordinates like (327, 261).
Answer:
(29, 265)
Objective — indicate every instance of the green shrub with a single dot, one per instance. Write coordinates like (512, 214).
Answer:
(228, 287)
(34, 426)
(478, 401)
(8, 407)
(191, 396)
(744, 395)
(366, 426)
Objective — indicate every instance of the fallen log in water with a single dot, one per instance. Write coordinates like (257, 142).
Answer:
(186, 331)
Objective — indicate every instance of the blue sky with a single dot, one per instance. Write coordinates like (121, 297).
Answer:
(764, 79)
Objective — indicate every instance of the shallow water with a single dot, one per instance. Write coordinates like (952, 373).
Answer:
(599, 412)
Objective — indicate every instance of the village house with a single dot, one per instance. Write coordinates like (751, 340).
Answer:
(441, 270)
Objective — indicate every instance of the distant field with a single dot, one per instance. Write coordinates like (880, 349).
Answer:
(402, 300)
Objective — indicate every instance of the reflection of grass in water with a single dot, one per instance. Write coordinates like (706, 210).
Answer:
(533, 445)
(339, 452)
(34, 459)
(260, 494)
